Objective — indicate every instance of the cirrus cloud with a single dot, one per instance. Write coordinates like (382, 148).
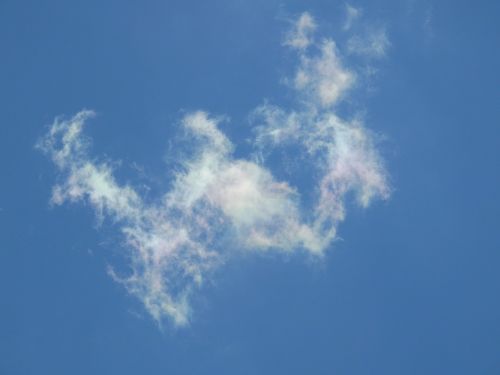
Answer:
(219, 205)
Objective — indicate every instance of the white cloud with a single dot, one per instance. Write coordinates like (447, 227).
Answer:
(160, 247)
(300, 36)
(342, 151)
(322, 78)
(219, 205)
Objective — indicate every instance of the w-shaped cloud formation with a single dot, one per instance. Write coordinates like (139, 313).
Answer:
(219, 205)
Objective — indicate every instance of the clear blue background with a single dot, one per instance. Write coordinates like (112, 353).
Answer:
(412, 287)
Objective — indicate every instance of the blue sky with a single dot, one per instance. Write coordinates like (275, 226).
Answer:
(262, 187)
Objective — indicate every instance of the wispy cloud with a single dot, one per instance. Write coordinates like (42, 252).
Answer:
(428, 22)
(351, 15)
(219, 205)
(373, 44)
